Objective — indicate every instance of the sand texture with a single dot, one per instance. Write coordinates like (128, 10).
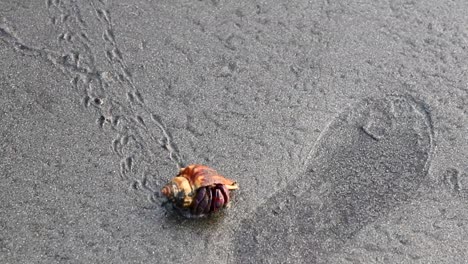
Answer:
(345, 124)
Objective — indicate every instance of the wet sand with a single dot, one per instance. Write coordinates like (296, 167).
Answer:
(344, 124)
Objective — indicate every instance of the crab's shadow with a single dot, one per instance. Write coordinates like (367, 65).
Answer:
(175, 217)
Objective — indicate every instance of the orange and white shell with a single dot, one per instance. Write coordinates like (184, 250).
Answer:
(182, 188)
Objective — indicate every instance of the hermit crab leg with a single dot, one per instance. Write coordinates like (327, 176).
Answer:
(209, 199)
(218, 200)
(225, 192)
(203, 201)
(198, 199)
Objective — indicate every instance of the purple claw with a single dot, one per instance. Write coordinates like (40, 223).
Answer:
(202, 201)
(225, 192)
(218, 200)
(200, 195)
(209, 200)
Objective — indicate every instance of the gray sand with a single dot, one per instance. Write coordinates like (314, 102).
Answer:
(344, 123)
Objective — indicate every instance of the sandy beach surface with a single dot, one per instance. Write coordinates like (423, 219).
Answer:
(343, 122)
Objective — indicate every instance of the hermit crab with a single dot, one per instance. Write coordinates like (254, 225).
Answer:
(198, 190)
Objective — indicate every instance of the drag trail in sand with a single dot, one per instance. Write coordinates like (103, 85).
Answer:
(343, 122)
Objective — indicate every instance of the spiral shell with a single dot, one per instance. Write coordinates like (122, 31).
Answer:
(199, 190)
